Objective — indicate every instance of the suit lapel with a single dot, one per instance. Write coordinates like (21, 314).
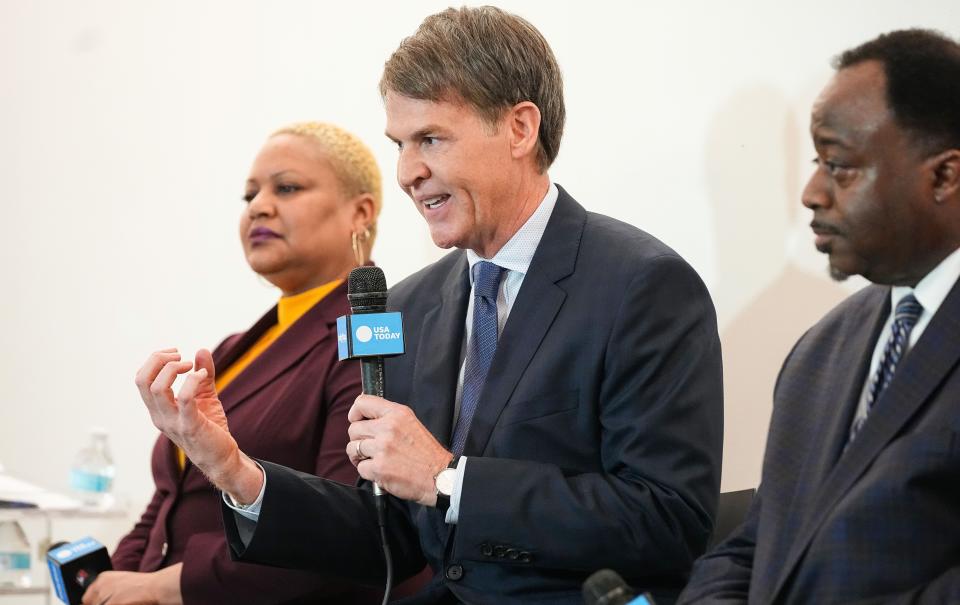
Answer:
(834, 426)
(438, 355)
(235, 346)
(533, 312)
(921, 371)
(313, 327)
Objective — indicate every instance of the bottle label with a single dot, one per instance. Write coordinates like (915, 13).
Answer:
(10, 561)
(89, 482)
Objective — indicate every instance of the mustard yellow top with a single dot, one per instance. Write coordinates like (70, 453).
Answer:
(289, 310)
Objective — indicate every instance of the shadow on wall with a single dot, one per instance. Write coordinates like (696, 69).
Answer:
(765, 300)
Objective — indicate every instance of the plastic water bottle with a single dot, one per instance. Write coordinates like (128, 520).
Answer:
(14, 555)
(91, 476)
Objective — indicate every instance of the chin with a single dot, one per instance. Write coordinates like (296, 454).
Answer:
(837, 274)
(841, 271)
(441, 240)
(264, 267)
(441, 243)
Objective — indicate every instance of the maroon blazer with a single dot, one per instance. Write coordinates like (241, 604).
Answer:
(288, 406)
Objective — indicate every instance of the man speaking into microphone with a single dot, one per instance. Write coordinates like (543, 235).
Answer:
(558, 408)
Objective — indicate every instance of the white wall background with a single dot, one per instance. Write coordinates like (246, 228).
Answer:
(127, 128)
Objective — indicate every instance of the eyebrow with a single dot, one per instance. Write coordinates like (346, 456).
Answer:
(420, 133)
(275, 176)
(821, 139)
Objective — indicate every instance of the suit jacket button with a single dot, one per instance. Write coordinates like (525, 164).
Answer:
(454, 572)
(525, 557)
(500, 551)
(486, 550)
(512, 554)
(163, 549)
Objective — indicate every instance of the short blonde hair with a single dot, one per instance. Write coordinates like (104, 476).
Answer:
(352, 161)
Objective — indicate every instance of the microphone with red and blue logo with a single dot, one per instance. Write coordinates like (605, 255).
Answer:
(74, 567)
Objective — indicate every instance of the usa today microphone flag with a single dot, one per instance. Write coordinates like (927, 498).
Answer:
(370, 332)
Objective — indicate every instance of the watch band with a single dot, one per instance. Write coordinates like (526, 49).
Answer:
(443, 500)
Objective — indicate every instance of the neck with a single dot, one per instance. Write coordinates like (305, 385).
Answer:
(527, 196)
(293, 285)
(924, 266)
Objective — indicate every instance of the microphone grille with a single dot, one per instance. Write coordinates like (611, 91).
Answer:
(367, 290)
(605, 587)
(366, 279)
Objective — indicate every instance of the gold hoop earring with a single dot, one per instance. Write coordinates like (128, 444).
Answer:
(357, 240)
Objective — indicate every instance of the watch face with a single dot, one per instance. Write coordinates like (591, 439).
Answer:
(445, 481)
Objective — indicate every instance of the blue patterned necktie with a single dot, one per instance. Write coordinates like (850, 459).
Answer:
(482, 346)
(906, 316)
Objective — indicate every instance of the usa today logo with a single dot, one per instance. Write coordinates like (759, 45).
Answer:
(369, 334)
(366, 333)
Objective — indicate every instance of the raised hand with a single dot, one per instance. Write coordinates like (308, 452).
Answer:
(195, 421)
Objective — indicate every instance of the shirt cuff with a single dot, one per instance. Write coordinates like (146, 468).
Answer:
(453, 513)
(250, 511)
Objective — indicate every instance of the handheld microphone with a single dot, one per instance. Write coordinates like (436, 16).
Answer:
(74, 567)
(606, 587)
(372, 337)
(370, 334)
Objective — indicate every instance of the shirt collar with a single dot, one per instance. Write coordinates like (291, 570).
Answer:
(932, 290)
(517, 253)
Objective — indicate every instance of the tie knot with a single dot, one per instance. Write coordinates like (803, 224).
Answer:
(486, 279)
(908, 310)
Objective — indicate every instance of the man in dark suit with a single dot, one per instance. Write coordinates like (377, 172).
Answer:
(558, 409)
(859, 500)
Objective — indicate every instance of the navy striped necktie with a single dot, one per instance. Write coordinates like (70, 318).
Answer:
(482, 346)
(906, 316)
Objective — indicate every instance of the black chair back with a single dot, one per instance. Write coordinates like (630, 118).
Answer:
(730, 514)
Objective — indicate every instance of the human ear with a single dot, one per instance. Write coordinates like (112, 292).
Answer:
(946, 175)
(363, 210)
(523, 120)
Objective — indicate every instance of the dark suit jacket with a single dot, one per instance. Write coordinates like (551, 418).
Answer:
(289, 405)
(879, 523)
(596, 443)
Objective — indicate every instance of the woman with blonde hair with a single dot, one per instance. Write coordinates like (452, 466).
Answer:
(311, 203)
